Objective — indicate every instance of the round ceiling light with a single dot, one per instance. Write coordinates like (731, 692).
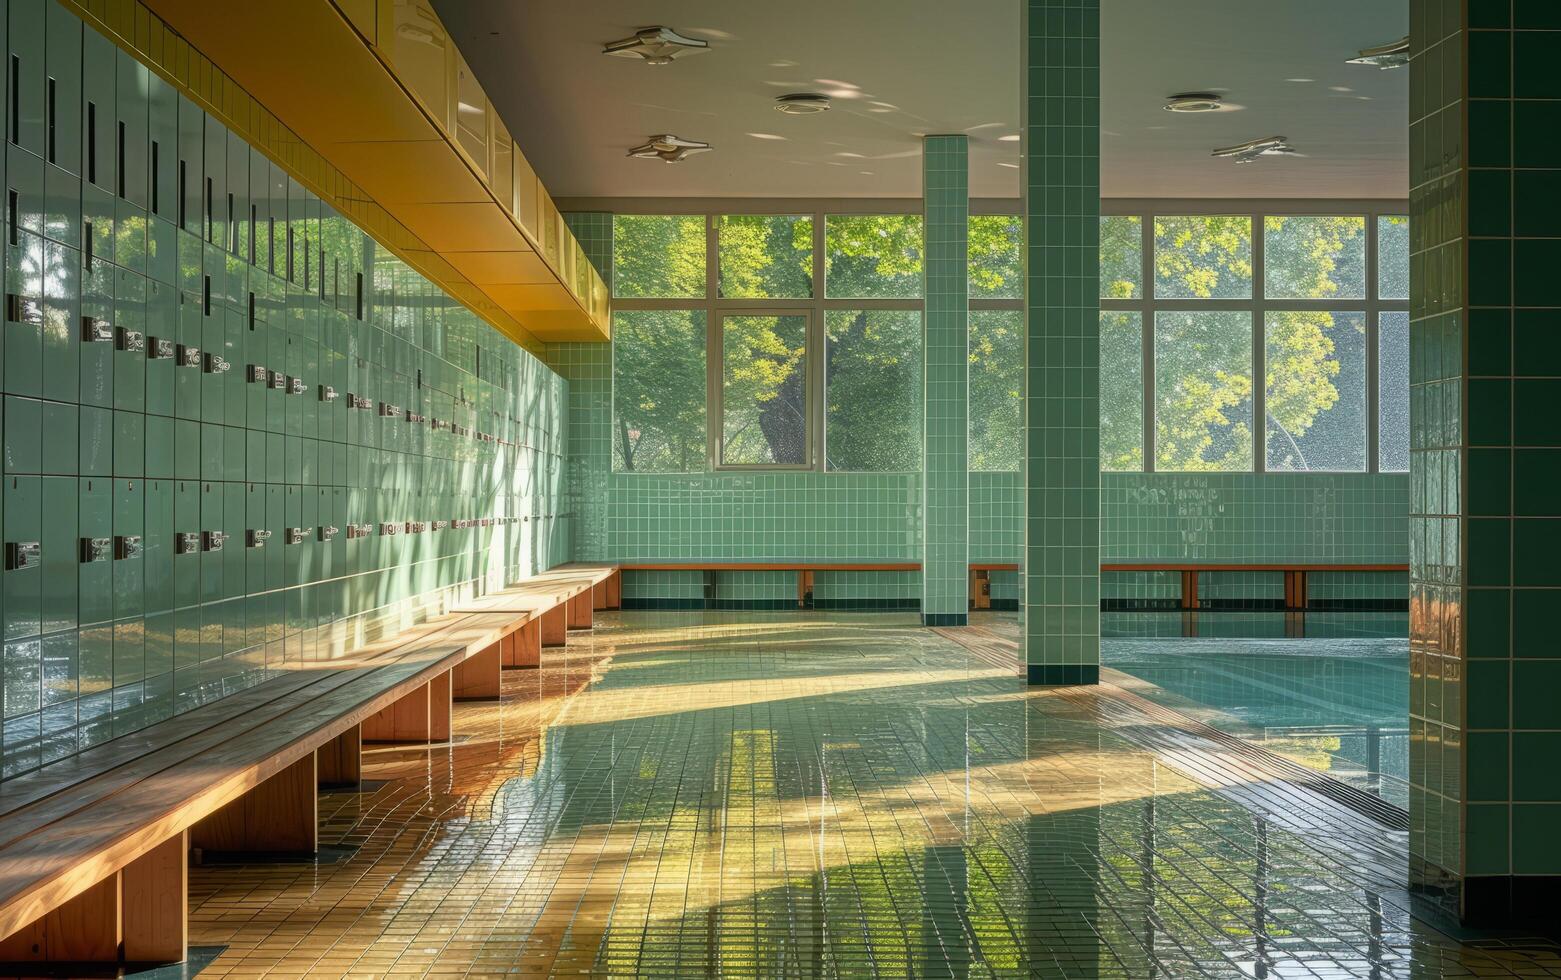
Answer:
(1193, 102)
(802, 104)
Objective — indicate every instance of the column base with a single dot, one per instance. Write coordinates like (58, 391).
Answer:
(945, 619)
(1069, 674)
(1510, 901)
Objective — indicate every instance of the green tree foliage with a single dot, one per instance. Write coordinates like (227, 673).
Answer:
(766, 256)
(659, 391)
(657, 255)
(996, 245)
(872, 372)
(873, 256)
(996, 388)
(1121, 390)
(764, 390)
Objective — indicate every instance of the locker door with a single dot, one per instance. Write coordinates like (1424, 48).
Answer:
(22, 520)
(129, 582)
(214, 194)
(95, 335)
(99, 170)
(25, 81)
(61, 380)
(157, 564)
(190, 171)
(131, 93)
(129, 354)
(161, 325)
(58, 571)
(187, 371)
(62, 127)
(162, 149)
(24, 313)
(186, 572)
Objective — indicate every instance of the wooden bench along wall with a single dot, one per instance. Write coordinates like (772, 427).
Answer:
(981, 574)
(94, 849)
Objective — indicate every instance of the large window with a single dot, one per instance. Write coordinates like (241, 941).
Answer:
(1298, 319)
(658, 370)
(813, 356)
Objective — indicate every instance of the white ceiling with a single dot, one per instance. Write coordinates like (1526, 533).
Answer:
(907, 67)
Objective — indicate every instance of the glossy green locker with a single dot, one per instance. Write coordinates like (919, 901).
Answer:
(58, 571)
(161, 332)
(129, 344)
(24, 313)
(62, 326)
(96, 335)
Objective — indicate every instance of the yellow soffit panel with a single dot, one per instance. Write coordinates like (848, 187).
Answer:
(305, 64)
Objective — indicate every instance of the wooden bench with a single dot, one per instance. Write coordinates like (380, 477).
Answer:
(94, 849)
(981, 574)
(1294, 575)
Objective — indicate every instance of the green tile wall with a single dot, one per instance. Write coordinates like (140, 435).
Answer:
(106, 443)
(1229, 517)
(945, 352)
(1061, 186)
(593, 230)
(1485, 680)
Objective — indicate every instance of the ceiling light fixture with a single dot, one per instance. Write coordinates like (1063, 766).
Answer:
(1252, 149)
(668, 147)
(657, 45)
(1193, 102)
(802, 103)
(1384, 56)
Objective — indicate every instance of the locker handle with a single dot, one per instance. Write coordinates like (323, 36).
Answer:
(51, 121)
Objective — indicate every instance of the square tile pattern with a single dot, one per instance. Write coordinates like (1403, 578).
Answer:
(1485, 370)
(198, 353)
(779, 795)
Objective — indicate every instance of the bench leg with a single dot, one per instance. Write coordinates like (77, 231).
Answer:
(599, 596)
(477, 677)
(579, 611)
(339, 762)
(155, 887)
(83, 930)
(279, 817)
(441, 708)
(555, 626)
(421, 716)
(523, 648)
(614, 588)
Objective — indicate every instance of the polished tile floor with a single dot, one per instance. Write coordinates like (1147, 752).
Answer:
(778, 795)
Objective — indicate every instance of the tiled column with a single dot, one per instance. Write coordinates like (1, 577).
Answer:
(1485, 524)
(945, 539)
(1061, 570)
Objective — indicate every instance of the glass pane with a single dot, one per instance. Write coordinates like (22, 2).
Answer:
(1121, 390)
(996, 388)
(1393, 256)
(1315, 390)
(766, 256)
(1203, 390)
(764, 393)
(658, 256)
(1121, 256)
(1203, 257)
(658, 392)
(872, 387)
(873, 256)
(996, 259)
(1314, 257)
(1393, 392)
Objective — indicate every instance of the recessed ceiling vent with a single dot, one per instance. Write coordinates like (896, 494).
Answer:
(668, 147)
(802, 104)
(1384, 56)
(656, 45)
(1193, 102)
(1252, 149)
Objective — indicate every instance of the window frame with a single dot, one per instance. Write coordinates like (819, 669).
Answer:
(1372, 305)
(717, 307)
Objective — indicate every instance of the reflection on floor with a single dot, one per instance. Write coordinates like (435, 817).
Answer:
(755, 794)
